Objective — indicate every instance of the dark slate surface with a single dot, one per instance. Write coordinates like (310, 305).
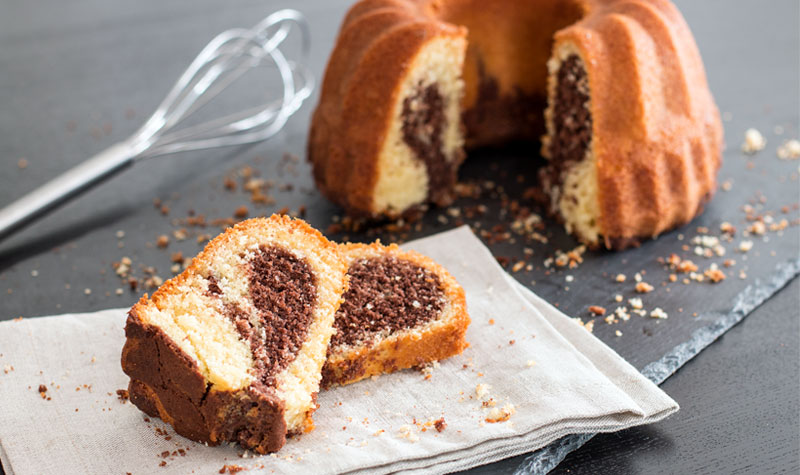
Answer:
(77, 78)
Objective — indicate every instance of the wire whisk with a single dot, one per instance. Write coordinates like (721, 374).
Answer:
(224, 60)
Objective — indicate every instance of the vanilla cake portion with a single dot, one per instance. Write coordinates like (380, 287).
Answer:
(401, 310)
(231, 350)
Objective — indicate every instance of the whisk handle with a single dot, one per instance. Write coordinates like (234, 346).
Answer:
(58, 191)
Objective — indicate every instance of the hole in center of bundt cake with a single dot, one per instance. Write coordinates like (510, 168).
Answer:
(386, 294)
(283, 291)
(423, 125)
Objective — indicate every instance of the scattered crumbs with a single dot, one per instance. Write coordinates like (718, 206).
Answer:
(620, 278)
(482, 390)
(589, 326)
(714, 274)
(87, 291)
(440, 424)
(618, 298)
(636, 303)
(745, 246)
(658, 313)
(22, 163)
(753, 141)
(597, 310)
(727, 185)
(789, 150)
(162, 241)
(758, 228)
(8, 368)
(122, 395)
(618, 333)
(500, 414)
(407, 432)
(241, 212)
(43, 392)
(622, 313)
(491, 321)
(229, 468)
(644, 287)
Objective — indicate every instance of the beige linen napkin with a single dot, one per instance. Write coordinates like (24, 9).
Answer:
(525, 356)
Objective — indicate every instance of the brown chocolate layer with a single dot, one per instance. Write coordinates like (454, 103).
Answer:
(386, 293)
(283, 290)
(423, 126)
(572, 121)
(167, 383)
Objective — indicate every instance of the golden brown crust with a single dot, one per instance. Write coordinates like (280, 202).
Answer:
(227, 239)
(408, 349)
(657, 132)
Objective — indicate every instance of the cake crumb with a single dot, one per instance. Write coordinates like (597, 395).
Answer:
(789, 150)
(231, 468)
(644, 287)
(658, 313)
(745, 246)
(618, 333)
(618, 298)
(620, 278)
(241, 212)
(636, 303)
(481, 390)
(406, 432)
(753, 141)
(597, 310)
(440, 424)
(500, 414)
(162, 241)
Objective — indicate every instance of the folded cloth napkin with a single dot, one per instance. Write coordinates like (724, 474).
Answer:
(529, 367)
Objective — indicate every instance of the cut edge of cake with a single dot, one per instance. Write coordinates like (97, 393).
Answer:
(393, 350)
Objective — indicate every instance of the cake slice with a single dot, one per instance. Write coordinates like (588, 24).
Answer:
(401, 310)
(231, 349)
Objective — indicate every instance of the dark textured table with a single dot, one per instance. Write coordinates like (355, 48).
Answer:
(76, 78)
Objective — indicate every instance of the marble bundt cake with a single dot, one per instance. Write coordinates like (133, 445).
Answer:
(231, 350)
(401, 310)
(631, 131)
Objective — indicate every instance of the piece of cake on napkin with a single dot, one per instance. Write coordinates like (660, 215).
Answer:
(231, 349)
(401, 310)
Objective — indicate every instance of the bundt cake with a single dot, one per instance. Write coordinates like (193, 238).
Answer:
(401, 310)
(231, 350)
(617, 88)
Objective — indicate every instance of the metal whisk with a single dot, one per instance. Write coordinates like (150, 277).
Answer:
(226, 58)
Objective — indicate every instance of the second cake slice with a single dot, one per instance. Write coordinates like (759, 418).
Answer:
(401, 310)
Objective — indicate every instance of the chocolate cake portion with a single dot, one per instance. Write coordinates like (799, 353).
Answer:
(572, 119)
(283, 290)
(386, 294)
(424, 119)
